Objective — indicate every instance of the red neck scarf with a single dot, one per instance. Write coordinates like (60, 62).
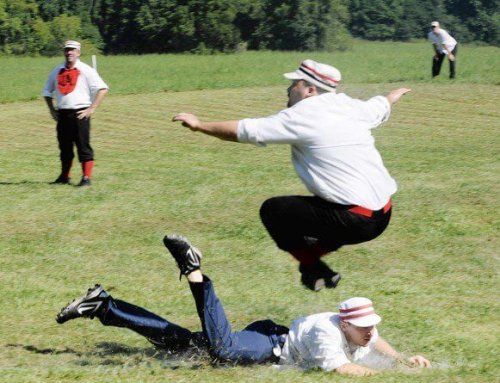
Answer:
(66, 80)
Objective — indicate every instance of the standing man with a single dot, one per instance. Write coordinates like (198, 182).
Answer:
(334, 155)
(79, 91)
(340, 342)
(444, 45)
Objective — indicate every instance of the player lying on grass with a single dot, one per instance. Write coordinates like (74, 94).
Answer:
(331, 341)
(334, 155)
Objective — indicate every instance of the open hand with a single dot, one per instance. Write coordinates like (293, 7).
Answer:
(85, 113)
(188, 120)
(396, 94)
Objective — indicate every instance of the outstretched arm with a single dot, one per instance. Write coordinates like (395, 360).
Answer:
(414, 361)
(395, 95)
(224, 130)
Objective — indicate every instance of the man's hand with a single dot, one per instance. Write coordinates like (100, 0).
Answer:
(188, 120)
(85, 113)
(395, 94)
(419, 361)
(451, 57)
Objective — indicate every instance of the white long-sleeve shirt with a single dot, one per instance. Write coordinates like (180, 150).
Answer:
(86, 87)
(333, 150)
(317, 341)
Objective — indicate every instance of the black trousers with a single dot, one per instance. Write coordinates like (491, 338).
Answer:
(437, 61)
(298, 223)
(72, 131)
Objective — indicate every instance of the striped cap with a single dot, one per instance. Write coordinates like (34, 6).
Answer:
(72, 44)
(359, 312)
(324, 76)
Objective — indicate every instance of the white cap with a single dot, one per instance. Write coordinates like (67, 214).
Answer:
(435, 24)
(324, 76)
(72, 44)
(359, 312)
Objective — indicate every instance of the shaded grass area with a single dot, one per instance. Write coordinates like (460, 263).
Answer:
(22, 78)
(433, 275)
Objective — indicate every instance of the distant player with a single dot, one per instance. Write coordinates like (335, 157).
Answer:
(334, 154)
(444, 45)
(78, 90)
(341, 342)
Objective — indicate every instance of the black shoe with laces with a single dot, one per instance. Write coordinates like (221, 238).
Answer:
(84, 182)
(188, 257)
(87, 306)
(316, 277)
(61, 180)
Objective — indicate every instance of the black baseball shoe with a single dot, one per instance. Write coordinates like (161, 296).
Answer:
(318, 276)
(87, 306)
(85, 181)
(61, 180)
(188, 257)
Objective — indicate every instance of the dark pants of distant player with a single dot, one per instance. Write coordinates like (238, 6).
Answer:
(437, 61)
(72, 131)
(254, 344)
(309, 227)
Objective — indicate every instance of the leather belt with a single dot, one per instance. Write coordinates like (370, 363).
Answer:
(370, 213)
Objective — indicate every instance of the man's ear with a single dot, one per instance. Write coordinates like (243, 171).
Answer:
(344, 325)
(311, 91)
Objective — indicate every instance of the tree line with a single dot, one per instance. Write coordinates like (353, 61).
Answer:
(207, 26)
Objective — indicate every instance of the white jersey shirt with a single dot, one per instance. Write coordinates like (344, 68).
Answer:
(333, 150)
(442, 39)
(317, 341)
(88, 83)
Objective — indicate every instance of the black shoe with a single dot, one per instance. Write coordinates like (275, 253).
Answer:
(87, 306)
(317, 276)
(61, 180)
(84, 182)
(188, 257)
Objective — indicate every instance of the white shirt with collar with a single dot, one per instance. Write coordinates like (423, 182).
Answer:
(317, 341)
(333, 150)
(88, 84)
(442, 39)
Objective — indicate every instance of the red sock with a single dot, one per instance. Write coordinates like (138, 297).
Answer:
(310, 255)
(66, 168)
(87, 167)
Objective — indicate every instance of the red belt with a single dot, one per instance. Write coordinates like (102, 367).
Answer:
(369, 213)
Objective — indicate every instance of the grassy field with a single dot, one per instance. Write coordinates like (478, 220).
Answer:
(433, 275)
(367, 62)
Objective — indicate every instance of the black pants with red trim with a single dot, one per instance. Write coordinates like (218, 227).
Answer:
(72, 131)
(312, 225)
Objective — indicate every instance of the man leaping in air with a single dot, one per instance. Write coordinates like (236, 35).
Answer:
(334, 154)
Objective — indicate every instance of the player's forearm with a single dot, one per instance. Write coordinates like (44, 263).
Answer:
(355, 370)
(385, 348)
(50, 103)
(224, 130)
(98, 98)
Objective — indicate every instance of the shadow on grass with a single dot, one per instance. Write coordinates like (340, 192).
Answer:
(6, 183)
(116, 354)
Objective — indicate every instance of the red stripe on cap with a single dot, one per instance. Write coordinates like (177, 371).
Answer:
(319, 74)
(354, 316)
(356, 308)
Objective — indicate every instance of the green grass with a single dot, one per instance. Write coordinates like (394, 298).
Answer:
(433, 274)
(22, 78)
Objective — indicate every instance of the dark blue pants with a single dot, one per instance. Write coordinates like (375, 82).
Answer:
(254, 344)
